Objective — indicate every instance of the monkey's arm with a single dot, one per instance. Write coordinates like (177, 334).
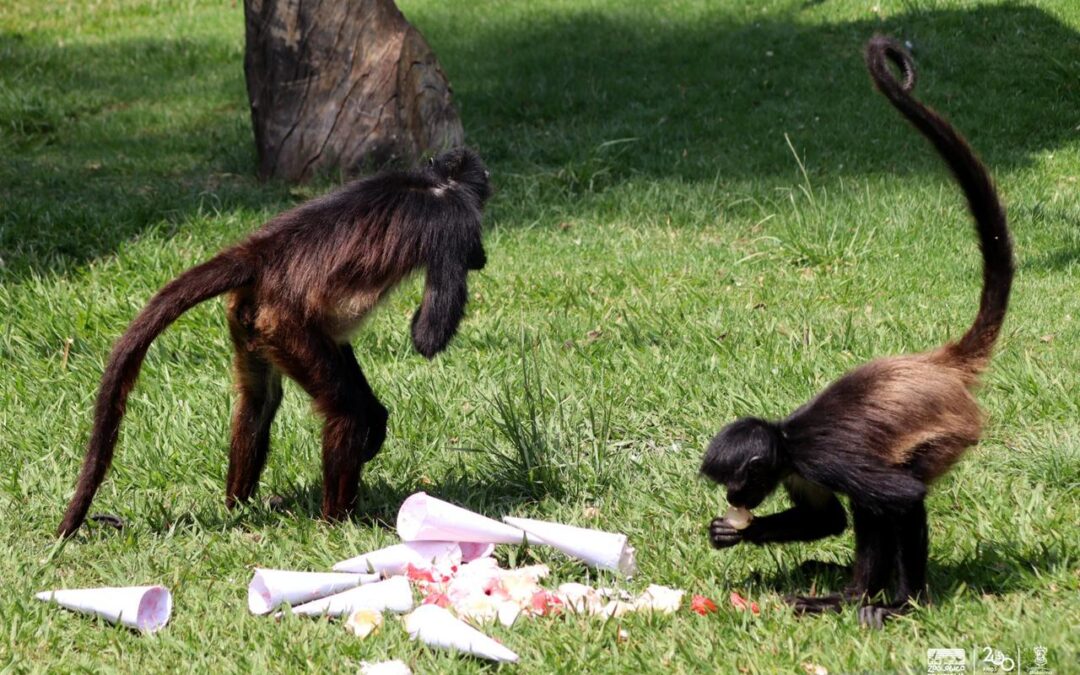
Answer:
(445, 295)
(817, 514)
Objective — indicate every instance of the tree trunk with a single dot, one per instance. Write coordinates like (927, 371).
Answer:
(342, 84)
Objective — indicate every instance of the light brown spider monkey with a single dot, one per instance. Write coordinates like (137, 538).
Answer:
(297, 288)
(884, 431)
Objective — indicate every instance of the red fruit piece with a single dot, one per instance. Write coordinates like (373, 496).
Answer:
(416, 574)
(702, 605)
(739, 602)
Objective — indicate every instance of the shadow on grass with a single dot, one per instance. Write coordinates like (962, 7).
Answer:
(100, 142)
(995, 568)
(377, 506)
(103, 141)
(596, 97)
(1054, 261)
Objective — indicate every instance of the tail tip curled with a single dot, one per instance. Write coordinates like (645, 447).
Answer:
(883, 47)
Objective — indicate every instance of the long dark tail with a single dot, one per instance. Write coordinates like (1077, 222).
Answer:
(212, 278)
(973, 349)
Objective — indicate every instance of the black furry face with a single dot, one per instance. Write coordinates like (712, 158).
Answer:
(463, 166)
(745, 458)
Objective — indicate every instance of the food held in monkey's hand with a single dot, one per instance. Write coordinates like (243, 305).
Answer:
(738, 517)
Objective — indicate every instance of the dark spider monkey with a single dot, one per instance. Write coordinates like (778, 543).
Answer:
(884, 431)
(298, 287)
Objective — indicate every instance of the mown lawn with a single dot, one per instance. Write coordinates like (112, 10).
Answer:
(659, 263)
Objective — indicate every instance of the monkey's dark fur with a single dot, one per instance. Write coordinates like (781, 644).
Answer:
(297, 288)
(884, 431)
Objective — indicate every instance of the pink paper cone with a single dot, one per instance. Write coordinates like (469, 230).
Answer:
(471, 550)
(393, 595)
(393, 560)
(436, 627)
(145, 608)
(607, 550)
(270, 588)
(425, 518)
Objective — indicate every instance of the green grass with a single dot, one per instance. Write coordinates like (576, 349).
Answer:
(703, 211)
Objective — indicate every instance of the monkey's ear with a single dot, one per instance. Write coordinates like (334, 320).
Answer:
(440, 312)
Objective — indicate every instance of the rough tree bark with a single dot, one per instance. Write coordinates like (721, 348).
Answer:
(342, 84)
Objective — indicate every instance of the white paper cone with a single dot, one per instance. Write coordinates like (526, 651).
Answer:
(395, 667)
(608, 550)
(425, 518)
(436, 627)
(394, 560)
(145, 608)
(393, 595)
(270, 588)
(471, 550)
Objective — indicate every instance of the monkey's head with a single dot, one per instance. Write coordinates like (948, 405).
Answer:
(745, 457)
(463, 167)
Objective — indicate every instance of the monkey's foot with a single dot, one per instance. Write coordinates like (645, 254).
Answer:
(816, 604)
(722, 534)
(875, 616)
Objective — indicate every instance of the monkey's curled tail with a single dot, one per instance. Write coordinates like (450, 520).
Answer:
(973, 349)
(222, 273)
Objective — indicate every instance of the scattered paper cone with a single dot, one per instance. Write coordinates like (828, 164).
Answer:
(436, 627)
(144, 608)
(425, 518)
(395, 667)
(393, 595)
(471, 550)
(393, 560)
(270, 588)
(607, 550)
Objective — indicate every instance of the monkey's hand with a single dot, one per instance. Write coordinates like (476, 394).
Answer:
(376, 431)
(723, 535)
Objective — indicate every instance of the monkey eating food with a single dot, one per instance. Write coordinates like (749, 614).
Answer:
(298, 288)
(884, 431)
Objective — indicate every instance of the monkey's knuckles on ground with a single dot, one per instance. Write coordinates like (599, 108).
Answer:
(723, 535)
(875, 616)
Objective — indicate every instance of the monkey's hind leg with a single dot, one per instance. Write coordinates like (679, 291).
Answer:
(875, 547)
(354, 425)
(258, 387)
(911, 557)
